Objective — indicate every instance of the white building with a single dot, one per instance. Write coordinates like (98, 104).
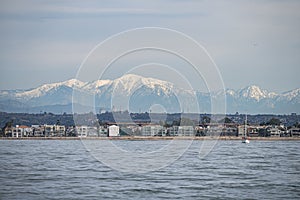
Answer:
(113, 131)
(54, 130)
(82, 131)
(153, 130)
(92, 131)
(185, 131)
(173, 131)
(21, 131)
(182, 131)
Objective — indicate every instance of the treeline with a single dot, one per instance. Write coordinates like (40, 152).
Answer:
(143, 118)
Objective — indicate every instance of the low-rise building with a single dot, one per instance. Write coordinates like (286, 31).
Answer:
(54, 130)
(200, 131)
(294, 132)
(103, 132)
(113, 131)
(16, 132)
(173, 131)
(8, 131)
(21, 131)
(214, 130)
(186, 131)
(229, 131)
(152, 130)
(181, 131)
(90, 131)
(252, 131)
(82, 131)
(274, 131)
(38, 130)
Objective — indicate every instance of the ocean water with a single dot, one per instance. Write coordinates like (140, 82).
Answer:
(64, 169)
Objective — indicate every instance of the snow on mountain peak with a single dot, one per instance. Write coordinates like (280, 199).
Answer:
(72, 83)
(292, 94)
(230, 92)
(131, 82)
(36, 92)
(96, 84)
(253, 92)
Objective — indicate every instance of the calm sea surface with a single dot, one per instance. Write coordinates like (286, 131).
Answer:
(55, 169)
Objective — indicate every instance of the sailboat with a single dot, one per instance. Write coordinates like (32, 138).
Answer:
(244, 138)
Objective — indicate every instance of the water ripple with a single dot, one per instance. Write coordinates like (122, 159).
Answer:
(65, 170)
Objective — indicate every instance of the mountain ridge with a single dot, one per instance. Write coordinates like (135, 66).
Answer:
(134, 91)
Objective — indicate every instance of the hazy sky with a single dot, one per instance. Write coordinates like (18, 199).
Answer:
(252, 42)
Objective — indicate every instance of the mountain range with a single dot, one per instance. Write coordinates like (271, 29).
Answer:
(139, 94)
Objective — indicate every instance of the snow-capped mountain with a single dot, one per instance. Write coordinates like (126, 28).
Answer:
(46, 88)
(293, 95)
(130, 82)
(253, 99)
(254, 92)
(137, 93)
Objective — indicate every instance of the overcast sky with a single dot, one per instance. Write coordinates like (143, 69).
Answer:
(252, 42)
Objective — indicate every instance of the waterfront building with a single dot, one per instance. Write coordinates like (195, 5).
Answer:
(21, 131)
(37, 130)
(153, 130)
(173, 131)
(102, 131)
(8, 131)
(200, 130)
(87, 131)
(186, 131)
(82, 131)
(113, 131)
(274, 131)
(181, 131)
(252, 131)
(54, 130)
(16, 132)
(92, 131)
(294, 132)
(214, 130)
(229, 131)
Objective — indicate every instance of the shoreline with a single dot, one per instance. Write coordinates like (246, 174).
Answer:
(136, 138)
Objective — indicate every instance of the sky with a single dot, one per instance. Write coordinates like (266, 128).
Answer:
(251, 42)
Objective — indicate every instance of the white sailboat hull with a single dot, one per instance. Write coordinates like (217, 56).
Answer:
(246, 141)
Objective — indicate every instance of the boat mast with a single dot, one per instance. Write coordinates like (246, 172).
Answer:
(245, 131)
